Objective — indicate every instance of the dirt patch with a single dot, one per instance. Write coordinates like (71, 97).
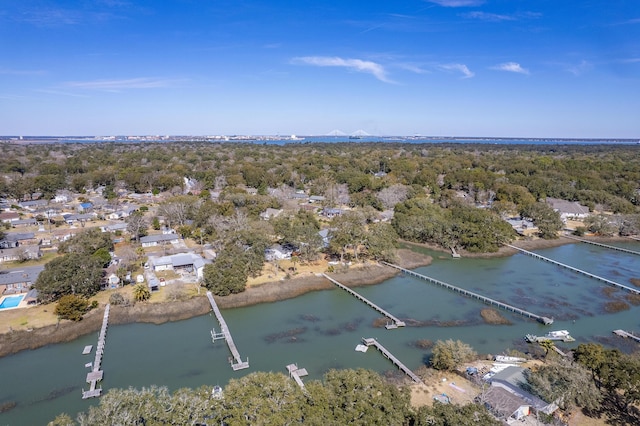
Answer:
(444, 385)
(491, 316)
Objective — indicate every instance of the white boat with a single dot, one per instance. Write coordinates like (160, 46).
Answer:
(558, 334)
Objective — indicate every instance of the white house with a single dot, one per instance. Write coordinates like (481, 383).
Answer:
(158, 239)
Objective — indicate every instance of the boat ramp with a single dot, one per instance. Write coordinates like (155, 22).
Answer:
(373, 342)
(226, 335)
(626, 334)
(637, 253)
(96, 374)
(539, 318)
(580, 271)
(396, 322)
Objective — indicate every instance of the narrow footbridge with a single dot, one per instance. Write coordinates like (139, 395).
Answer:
(637, 253)
(539, 318)
(226, 334)
(396, 322)
(580, 271)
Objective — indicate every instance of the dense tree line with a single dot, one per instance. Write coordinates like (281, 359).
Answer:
(358, 397)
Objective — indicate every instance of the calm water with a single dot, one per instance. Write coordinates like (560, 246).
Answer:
(320, 330)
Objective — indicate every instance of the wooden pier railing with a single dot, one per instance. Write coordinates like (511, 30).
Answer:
(396, 322)
(580, 271)
(238, 364)
(539, 318)
(96, 374)
(373, 342)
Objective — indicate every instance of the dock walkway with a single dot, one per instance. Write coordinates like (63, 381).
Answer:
(373, 342)
(624, 250)
(96, 374)
(623, 333)
(296, 373)
(539, 318)
(238, 365)
(580, 271)
(396, 322)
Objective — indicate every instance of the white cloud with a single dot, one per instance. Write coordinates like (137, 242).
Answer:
(511, 67)
(359, 65)
(117, 85)
(457, 3)
(458, 67)
(490, 17)
(580, 68)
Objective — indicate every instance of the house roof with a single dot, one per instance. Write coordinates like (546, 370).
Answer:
(20, 275)
(158, 238)
(568, 207)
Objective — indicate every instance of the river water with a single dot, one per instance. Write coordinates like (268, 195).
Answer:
(320, 330)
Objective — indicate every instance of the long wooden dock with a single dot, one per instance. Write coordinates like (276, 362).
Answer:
(396, 322)
(238, 364)
(539, 318)
(626, 334)
(580, 271)
(96, 374)
(624, 250)
(373, 342)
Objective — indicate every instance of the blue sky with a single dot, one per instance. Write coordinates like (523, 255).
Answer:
(512, 68)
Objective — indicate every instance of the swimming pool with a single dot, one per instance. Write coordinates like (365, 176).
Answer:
(11, 301)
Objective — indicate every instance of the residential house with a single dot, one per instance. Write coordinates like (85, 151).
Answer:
(123, 213)
(325, 234)
(511, 380)
(568, 209)
(277, 252)
(270, 213)
(21, 223)
(158, 239)
(72, 219)
(20, 253)
(33, 205)
(19, 280)
(523, 227)
(85, 207)
(9, 217)
(331, 212)
(15, 239)
(114, 227)
(316, 199)
(184, 262)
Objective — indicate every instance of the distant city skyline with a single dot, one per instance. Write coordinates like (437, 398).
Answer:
(484, 68)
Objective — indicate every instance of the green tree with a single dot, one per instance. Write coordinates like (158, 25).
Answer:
(87, 242)
(568, 383)
(450, 354)
(453, 415)
(545, 218)
(228, 273)
(71, 307)
(141, 293)
(382, 241)
(72, 273)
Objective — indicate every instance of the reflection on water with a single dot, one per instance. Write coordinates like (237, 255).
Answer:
(320, 330)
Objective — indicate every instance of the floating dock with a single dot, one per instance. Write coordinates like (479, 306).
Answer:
(580, 271)
(624, 250)
(226, 334)
(373, 342)
(96, 374)
(396, 322)
(626, 334)
(296, 373)
(539, 318)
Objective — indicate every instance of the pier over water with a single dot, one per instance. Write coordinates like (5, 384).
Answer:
(539, 318)
(580, 271)
(226, 334)
(396, 322)
(373, 342)
(624, 250)
(96, 374)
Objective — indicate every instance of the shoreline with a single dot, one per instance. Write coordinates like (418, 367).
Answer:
(14, 341)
